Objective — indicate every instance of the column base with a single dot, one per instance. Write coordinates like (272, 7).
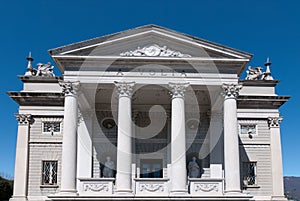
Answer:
(67, 193)
(124, 192)
(18, 198)
(179, 192)
(278, 198)
(233, 192)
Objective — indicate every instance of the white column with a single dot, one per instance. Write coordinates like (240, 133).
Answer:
(276, 158)
(178, 145)
(231, 140)
(69, 145)
(85, 144)
(22, 157)
(124, 145)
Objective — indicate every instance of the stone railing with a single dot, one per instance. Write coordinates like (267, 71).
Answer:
(99, 186)
(207, 186)
(151, 186)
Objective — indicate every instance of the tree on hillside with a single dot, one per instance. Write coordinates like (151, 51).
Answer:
(6, 189)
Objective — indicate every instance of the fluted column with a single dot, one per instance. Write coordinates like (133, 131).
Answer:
(276, 158)
(21, 163)
(178, 145)
(124, 152)
(69, 145)
(231, 140)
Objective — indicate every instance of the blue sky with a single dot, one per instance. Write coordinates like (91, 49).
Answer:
(263, 28)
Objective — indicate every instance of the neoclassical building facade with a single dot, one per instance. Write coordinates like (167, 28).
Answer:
(148, 114)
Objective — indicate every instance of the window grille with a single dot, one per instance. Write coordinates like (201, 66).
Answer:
(49, 175)
(249, 169)
(51, 127)
(248, 129)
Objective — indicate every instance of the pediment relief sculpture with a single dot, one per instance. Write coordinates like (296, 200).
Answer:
(154, 51)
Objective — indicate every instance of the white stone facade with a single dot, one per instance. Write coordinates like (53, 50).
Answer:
(155, 104)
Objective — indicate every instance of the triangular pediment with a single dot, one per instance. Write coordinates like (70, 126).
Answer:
(148, 43)
(145, 37)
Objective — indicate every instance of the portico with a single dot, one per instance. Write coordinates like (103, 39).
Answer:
(175, 181)
(153, 114)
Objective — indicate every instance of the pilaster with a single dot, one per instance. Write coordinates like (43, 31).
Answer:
(276, 158)
(22, 157)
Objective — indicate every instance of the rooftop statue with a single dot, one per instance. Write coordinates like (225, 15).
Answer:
(44, 70)
(254, 73)
(257, 74)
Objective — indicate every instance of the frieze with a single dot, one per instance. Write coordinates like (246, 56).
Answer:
(152, 187)
(206, 187)
(95, 187)
(154, 51)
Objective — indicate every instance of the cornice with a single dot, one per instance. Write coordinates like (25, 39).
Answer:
(37, 98)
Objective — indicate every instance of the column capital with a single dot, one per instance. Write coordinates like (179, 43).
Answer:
(24, 118)
(274, 122)
(178, 89)
(124, 89)
(69, 88)
(231, 90)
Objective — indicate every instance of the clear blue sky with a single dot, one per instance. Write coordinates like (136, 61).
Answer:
(263, 28)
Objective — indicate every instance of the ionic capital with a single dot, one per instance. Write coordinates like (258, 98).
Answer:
(178, 89)
(24, 118)
(274, 122)
(69, 88)
(231, 90)
(125, 89)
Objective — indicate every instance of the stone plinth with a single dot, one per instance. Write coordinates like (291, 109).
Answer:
(96, 186)
(198, 186)
(151, 186)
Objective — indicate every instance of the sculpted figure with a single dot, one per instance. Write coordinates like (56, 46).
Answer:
(194, 168)
(254, 73)
(108, 170)
(45, 70)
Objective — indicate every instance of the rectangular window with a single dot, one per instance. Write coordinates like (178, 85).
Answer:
(249, 129)
(51, 127)
(49, 175)
(151, 168)
(249, 173)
